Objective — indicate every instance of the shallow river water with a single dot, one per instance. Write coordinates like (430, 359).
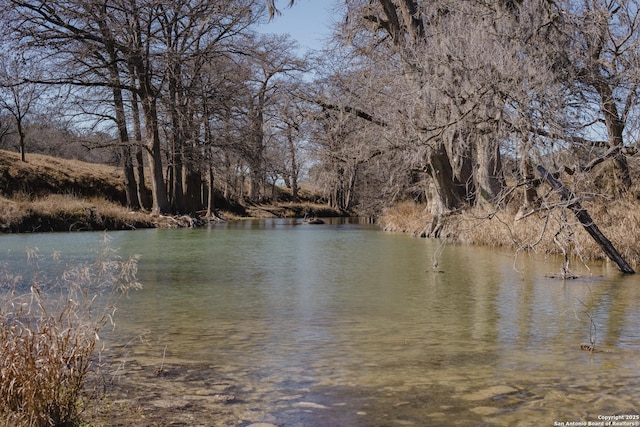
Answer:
(290, 324)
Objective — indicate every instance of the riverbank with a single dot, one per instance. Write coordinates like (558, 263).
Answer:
(60, 212)
(542, 231)
(51, 194)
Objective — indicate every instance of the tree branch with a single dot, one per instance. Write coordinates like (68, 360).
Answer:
(352, 110)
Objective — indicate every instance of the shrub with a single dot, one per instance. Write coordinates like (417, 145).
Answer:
(49, 333)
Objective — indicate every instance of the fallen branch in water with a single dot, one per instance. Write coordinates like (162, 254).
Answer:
(586, 221)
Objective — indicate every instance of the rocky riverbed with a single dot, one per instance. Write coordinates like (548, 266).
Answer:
(155, 393)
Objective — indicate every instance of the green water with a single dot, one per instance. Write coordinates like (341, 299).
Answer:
(342, 324)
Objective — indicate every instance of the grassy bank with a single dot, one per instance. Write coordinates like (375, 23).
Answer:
(545, 231)
(51, 194)
(65, 212)
(43, 175)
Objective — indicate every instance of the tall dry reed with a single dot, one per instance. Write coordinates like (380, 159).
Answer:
(49, 336)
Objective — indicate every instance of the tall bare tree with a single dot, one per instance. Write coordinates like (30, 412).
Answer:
(81, 42)
(604, 55)
(439, 102)
(289, 133)
(272, 60)
(19, 94)
(152, 49)
(192, 35)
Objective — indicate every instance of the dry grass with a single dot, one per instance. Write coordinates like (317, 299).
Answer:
(50, 194)
(60, 212)
(406, 217)
(49, 330)
(289, 210)
(546, 231)
(41, 175)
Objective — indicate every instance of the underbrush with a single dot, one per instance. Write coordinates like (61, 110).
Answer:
(50, 335)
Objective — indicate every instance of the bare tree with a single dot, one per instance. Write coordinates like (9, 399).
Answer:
(191, 36)
(19, 95)
(80, 43)
(6, 127)
(604, 58)
(346, 136)
(289, 132)
(225, 125)
(271, 61)
(436, 105)
(475, 80)
(153, 50)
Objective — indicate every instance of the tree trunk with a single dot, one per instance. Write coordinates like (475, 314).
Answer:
(208, 159)
(351, 185)
(622, 177)
(256, 163)
(449, 192)
(255, 181)
(489, 179)
(177, 145)
(141, 188)
(292, 179)
(586, 221)
(121, 121)
(148, 98)
(22, 140)
(129, 179)
(460, 151)
(210, 201)
(154, 155)
(615, 129)
(193, 187)
(176, 185)
(125, 150)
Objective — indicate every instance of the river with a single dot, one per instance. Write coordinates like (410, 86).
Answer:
(340, 324)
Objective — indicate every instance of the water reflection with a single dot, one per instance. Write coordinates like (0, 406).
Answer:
(357, 323)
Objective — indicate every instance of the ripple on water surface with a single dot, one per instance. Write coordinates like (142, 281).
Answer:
(295, 324)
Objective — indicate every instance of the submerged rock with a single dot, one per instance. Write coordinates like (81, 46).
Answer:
(490, 392)
(485, 410)
(309, 405)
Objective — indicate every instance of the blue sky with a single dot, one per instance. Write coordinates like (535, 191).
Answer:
(307, 21)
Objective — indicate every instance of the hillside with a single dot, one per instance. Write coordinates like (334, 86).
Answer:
(44, 175)
(53, 194)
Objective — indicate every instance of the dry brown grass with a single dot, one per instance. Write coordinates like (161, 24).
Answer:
(289, 210)
(49, 330)
(64, 212)
(41, 175)
(545, 231)
(50, 194)
(406, 217)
